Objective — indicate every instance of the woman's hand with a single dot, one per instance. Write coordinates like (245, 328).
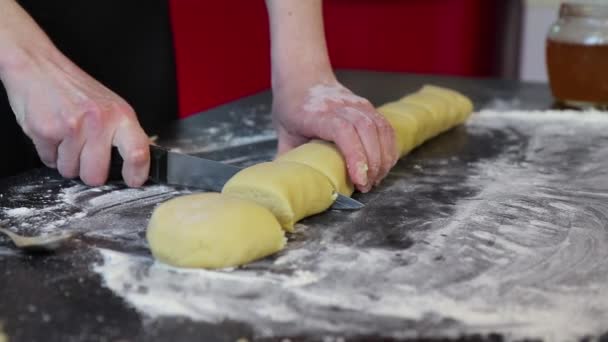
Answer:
(331, 112)
(72, 119)
(309, 103)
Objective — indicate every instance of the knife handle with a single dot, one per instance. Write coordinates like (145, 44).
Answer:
(158, 164)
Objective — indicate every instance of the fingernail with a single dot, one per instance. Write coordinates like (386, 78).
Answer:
(362, 173)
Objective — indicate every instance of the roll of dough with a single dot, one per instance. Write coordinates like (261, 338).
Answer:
(407, 127)
(420, 116)
(324, 157)
(442, 112)
(458, 100)
(409, 115)
(212, 230)
(291, 191)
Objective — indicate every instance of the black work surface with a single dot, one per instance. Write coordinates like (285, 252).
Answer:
(494, 230)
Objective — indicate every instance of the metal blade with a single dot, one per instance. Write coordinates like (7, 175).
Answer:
(346, 203)
(185, 170)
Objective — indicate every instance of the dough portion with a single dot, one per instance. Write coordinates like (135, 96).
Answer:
(291, 191)
(401, 113)
(407, 127)
(421, 116)
(438, 108)
(212, 230)
(461, 102)
(3, 337)
(324, 157)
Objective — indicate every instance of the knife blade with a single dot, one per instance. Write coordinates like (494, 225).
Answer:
(174, 168)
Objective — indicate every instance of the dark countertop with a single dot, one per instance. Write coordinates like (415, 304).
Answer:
(493, 230)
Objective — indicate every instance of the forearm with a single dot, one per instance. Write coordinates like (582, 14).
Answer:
(21, 39)
(298, 49)
(308, 101)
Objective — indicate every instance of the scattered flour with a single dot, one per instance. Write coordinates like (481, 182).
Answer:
(521, 251)
(194, 146)
(320, 96)
(503, 104)
(513, 243)
(241, 127)
(94, 210)
(16, 212)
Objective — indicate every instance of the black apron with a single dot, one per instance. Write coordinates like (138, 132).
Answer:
(125, 44)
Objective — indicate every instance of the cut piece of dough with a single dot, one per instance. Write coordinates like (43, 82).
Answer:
(452, 114)
(463, 103)
(425, 114)
(425, 120)
(212, 230)
(324, 157)
(291, 191)
(406, 126)
(437, 106)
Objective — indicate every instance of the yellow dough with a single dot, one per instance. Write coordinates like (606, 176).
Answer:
(412, 124)
(3, 337)
(420, 116)
(212, 230)
(461, 102)
(324, 157)
(406, 126)
(291, 191)
(438, 107)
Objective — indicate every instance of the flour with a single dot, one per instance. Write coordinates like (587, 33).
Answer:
(498, 104)
(110, 215)
(577, 119)
(15, 212)
(510, 239)
(82, 208)
(321, 95)
(519, 253)
(202, 145)
(241, 127)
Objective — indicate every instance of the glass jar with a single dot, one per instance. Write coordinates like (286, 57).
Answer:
(577, 54)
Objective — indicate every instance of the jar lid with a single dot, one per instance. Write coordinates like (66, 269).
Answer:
(585, 8)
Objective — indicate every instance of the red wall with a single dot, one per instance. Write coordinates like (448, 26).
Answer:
(222, 47)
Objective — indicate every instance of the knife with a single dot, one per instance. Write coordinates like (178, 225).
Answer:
(174, 168)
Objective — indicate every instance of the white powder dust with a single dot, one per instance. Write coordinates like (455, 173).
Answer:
(96, 211)
(321, 95)
(524, 255)
(15, 212)
(241, 127)
(196, 146)
(521, 250)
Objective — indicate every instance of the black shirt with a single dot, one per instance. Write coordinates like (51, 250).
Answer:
(125, 44)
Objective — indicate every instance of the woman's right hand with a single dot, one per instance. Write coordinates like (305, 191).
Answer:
(72, 119)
